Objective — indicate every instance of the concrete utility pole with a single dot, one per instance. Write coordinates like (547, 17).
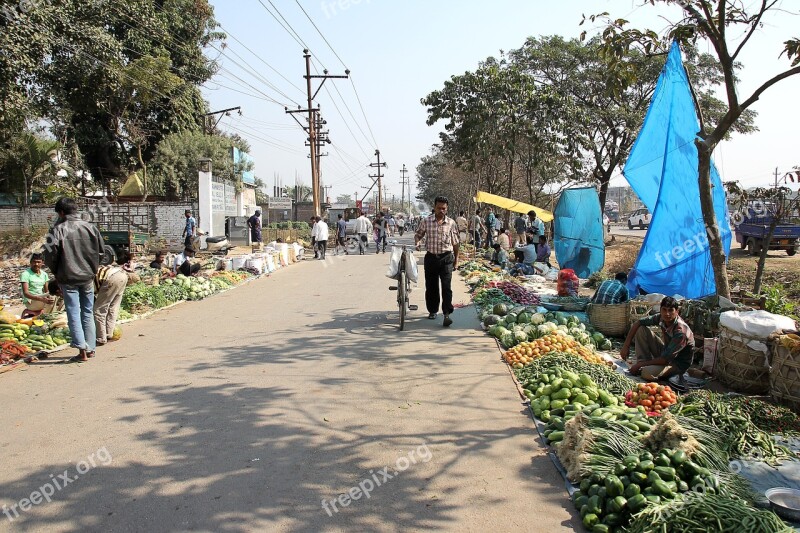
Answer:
(378, 165)
(403, 181)
(208, 118)
(313, 141)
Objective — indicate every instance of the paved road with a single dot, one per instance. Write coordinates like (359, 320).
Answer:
(246, 411)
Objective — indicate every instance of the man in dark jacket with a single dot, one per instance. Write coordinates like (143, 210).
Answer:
(72, 252)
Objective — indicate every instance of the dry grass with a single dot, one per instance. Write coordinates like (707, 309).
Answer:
(621, 255)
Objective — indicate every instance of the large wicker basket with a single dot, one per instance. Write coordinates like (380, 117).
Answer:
(609, 319)
(739, 366)
(784, 378)
(638, 309)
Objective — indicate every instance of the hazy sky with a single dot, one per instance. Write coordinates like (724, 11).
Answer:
(398, 52)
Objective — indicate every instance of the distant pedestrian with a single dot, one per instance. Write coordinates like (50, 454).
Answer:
(254, 223)
(476, 228)
(190, 229)
(321, 233)
(441, 241)
(341, 235)
(72, 253)
(363, 226)
(109, 284)
(401, 225)
(490, 223)
(313, 223)
(381, 226)
(520, 225)
(392, 224)
(463, 227)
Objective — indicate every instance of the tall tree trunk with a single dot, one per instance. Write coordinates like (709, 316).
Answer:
(605, 178)
(144, 173)
(710, 219)
(762, 259)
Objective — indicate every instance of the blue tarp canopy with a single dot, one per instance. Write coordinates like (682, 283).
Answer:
(662, 170)
(578, 230)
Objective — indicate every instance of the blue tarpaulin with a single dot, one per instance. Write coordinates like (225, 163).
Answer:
(578, 230)
(662, 170)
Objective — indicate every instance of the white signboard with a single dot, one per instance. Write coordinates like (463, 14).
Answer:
(279, 203)
(217, 197)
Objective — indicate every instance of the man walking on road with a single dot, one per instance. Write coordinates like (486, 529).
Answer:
(463, 225)
(72, 253)
(341, 235)
(321, 234)
(490, 223)
(254, 223)
(381, 226)
(519, 227)
(441, 241)
(476, 228)
(362, 230)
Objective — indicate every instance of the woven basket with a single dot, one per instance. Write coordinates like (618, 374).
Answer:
(784, 379)
(739, 366)
(638, 309)
(609, 319)
(578, 305)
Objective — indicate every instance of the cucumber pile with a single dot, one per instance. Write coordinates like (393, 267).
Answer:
(608, 502)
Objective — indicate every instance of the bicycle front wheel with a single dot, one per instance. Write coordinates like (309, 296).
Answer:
(402, 298)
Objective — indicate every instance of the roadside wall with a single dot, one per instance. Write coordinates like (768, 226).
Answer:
(163, 220)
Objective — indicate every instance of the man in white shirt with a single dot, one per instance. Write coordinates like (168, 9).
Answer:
(313, 222)
(401, 225)
(320, 233)
(182, 265)
(363, 227)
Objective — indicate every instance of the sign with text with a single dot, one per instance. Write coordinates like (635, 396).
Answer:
(279, 203)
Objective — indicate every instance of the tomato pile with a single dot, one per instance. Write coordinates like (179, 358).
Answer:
(652, 396)
(516, 292)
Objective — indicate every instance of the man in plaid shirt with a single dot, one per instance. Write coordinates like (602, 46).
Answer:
(441, 241)
(612, 291)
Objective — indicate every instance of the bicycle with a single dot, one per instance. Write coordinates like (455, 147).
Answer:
(403, 289)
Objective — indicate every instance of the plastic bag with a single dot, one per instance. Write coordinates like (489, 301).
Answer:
(412, 270)
(394, 263)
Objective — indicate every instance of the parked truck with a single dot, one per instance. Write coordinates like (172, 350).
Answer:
(752, 232)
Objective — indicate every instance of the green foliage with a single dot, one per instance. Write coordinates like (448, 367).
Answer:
(778, 303)
(175, 165)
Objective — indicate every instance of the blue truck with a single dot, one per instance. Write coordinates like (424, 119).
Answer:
(752, 233)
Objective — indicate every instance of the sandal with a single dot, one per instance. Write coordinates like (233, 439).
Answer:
(76, 359)
(89, 355)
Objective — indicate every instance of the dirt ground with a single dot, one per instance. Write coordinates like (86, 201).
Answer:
(780, 269)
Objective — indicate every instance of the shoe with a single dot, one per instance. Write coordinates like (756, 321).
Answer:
(447, 321)
(431, 316)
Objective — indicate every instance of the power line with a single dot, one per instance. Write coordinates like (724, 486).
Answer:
(293, 36)
(320, 33)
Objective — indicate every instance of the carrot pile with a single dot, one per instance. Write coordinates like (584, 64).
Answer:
(11, 350)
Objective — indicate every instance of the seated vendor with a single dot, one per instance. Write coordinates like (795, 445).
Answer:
(612, 291)
(183, 265)
(665, 356)
(543, 252)
(520, 268)
(33, 285)
(529, 250)
(500, 256)
(158, 262)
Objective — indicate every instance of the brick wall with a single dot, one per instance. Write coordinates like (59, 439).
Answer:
(165, 220)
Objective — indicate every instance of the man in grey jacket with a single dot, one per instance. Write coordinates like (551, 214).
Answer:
(72, 253)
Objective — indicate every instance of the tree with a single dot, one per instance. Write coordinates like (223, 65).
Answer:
(175, 165)
(728, 26)
(300, 193)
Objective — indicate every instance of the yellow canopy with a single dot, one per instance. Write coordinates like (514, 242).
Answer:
(512, 205)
